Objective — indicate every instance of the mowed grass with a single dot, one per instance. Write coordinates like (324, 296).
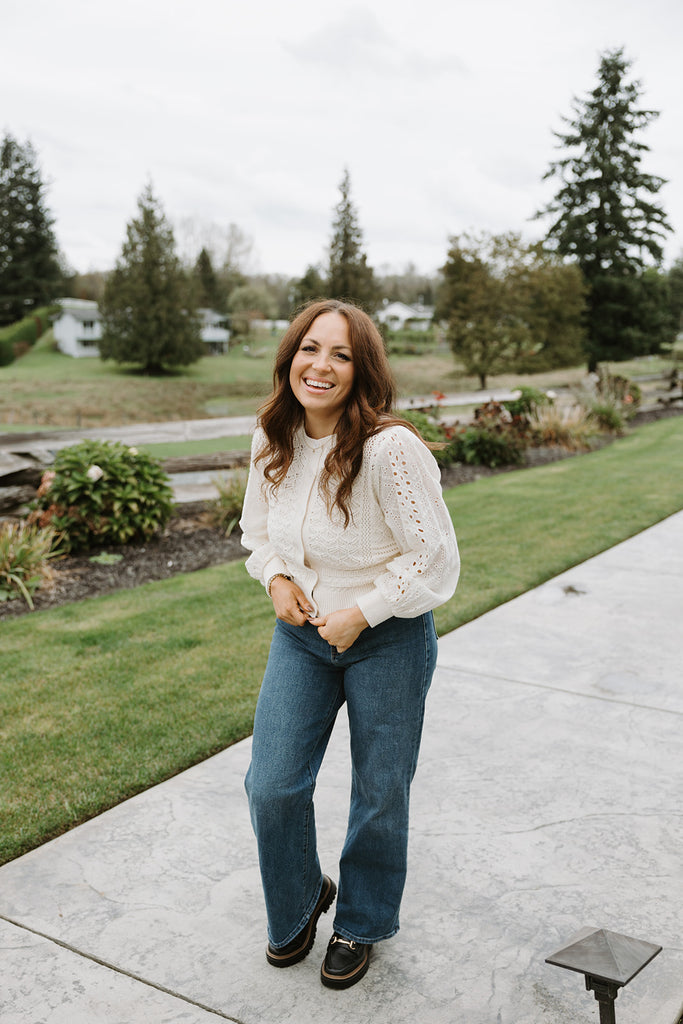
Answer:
(102, 699)
(46, 388)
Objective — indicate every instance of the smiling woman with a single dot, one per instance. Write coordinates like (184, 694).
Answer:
(350, 536)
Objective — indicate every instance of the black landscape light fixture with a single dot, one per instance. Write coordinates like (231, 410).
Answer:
(608, 960)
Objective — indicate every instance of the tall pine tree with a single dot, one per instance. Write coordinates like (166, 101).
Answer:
(148, 310)
(349, 276)
(210, 291)
(30, 274)
(605, 214)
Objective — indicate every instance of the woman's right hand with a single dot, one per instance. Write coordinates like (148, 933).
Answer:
(290, 602)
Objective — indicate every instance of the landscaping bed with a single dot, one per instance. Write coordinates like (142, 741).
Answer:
(189, 542)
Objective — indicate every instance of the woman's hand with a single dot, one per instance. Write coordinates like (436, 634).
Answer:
(290, 602)
(342, 628)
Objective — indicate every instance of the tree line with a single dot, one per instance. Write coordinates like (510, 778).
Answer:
(593, 289)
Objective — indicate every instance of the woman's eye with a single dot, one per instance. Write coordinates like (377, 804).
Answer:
(343, 356)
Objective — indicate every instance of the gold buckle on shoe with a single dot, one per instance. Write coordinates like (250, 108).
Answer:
(347, 942)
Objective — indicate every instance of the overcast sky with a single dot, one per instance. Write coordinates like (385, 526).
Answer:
(247, 113)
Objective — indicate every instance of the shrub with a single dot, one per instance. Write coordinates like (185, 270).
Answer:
(24, 554)
(480, 446)
(6, 352)
(607, 415)
(609, 399)
(529, 402)
(434, 433)
(226, 509)
(16, 338)
(494, 438)
(100, 492)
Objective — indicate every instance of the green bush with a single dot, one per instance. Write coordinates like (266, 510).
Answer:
(100, 493)
(24, 554)
(528, 402)
(609, 399)
(607, 415)
(226, 509)
(482, 446)
(6, 352)
(409, 342)
(434, 433)
(26, 331)
(494, 438)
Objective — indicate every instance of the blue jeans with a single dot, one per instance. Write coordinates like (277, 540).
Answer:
(383, 677)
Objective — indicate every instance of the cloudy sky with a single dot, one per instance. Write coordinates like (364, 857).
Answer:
(247, 113)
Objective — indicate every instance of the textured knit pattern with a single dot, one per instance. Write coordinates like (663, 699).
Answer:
(398, 555)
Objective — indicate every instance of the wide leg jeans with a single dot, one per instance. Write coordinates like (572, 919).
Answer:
(384, 678)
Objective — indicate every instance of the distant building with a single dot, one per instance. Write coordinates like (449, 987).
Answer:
(78, 328)
(398, 316)
(214, 332)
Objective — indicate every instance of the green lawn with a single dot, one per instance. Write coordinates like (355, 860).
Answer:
(205, 446)
(102, 699)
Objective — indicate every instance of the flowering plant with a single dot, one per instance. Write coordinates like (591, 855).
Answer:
(99, 492)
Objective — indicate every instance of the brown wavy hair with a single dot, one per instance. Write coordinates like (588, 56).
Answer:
(367, 412)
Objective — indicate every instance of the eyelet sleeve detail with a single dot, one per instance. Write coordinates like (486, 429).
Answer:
(425, 572)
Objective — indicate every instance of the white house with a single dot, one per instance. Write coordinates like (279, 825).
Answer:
(78, 328)
(214, 331)
(397, 316)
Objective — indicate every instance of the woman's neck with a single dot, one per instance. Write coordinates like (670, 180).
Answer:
(317, 428)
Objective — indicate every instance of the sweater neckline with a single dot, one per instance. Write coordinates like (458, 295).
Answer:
(316, 443)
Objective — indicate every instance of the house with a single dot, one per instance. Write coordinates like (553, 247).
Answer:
(78, 328)
(398, 316)
(214, 331)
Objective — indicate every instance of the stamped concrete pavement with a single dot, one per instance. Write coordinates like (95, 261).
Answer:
(548, 798)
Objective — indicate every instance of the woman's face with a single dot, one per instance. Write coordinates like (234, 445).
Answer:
(321, 375)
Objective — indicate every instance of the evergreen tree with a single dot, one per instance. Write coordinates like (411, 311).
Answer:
(148, 310)
(210, 292)
(349, 276)
(311, 286)
(30, 274)
(605, 214)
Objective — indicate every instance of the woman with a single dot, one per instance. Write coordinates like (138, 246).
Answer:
(350, 536)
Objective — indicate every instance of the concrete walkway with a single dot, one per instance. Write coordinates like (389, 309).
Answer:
(549, 797)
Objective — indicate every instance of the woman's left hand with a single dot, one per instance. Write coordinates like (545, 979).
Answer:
(342, 628)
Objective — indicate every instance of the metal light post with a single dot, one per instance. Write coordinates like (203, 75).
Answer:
(608, 961)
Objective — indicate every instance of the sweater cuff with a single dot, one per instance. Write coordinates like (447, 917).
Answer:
(374, 607)
(273, 567)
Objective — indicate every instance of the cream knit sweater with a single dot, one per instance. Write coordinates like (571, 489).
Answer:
(398, 555)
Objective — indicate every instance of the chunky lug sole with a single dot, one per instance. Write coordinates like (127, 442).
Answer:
(350, 969)
(302, 944)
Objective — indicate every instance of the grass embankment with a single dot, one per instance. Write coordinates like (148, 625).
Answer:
(102, 699)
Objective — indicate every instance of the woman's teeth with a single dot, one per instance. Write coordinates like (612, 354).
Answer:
(323, 385)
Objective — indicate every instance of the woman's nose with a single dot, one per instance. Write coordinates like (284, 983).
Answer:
(321, 361)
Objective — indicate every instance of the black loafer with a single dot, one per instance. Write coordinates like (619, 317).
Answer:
(345, 962)
(301, 944)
